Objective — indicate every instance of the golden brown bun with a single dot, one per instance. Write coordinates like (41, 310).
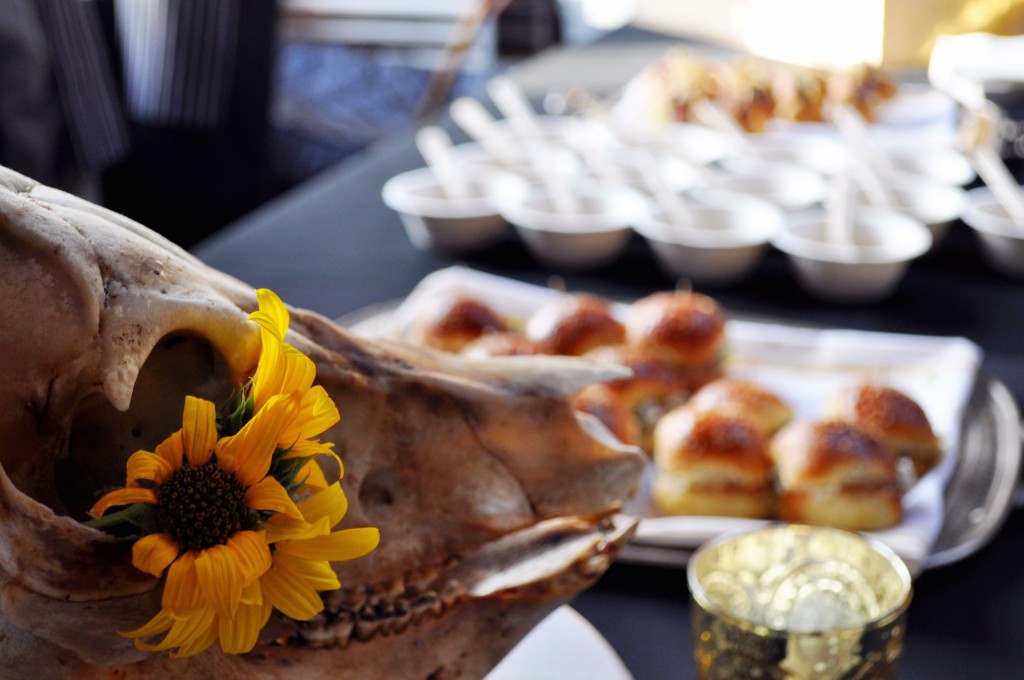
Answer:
(573, 324)
(673, 496)
(837, 474)
(653, 378)
(895, 418)
(604, 403)
(655, 387)
(502, 344)
(449, 324)
(711, 448)
(683, 327)
(744, 400)
(707, 464)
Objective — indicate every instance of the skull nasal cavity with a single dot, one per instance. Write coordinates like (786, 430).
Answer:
(377, 491)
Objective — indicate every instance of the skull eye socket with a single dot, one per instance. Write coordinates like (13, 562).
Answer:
(102, 438)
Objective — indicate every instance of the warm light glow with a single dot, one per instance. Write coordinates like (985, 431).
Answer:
(834, 34)
(607, 15)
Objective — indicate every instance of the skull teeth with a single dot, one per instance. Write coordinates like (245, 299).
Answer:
(361, 616)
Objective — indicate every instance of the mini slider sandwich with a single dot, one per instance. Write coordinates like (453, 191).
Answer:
(835, 473)
(709, 464)
(893, 417)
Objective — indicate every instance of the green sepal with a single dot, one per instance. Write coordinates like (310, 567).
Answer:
(142, 516)
(236, 411)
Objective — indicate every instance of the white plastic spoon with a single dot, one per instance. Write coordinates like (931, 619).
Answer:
(839, 211)
(678, 213)
(474, 118)
(436, 147)
(708, 113)
(514, 105)
(867, 161)
(990, 166)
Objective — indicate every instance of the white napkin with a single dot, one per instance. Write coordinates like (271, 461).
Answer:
(805, 367)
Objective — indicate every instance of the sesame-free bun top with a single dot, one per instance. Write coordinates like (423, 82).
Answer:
(450, 323)
(894, 417)
(573, 324)
(607, 405)
(711, 449)
(831, 454)
(500, 344)
(653, 377)
(744, 400)
(685, 327)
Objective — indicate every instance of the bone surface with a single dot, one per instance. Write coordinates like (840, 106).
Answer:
(495, 500)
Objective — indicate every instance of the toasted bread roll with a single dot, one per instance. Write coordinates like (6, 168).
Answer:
(607, 405)
(895, 418)
(500, 344)
(681, 327)
(449, 324)
(708, 464)
(574, 324)
(835, 473)
(743, 400)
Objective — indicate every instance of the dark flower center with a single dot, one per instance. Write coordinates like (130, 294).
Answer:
(201, 507)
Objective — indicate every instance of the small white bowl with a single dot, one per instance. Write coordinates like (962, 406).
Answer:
(788, 186)
(1001, 241)
(478, 163)
(675, 173)
(824, 155)
(693, 143)
(930, 201)
(592, 238)
(433, 221)
(939, 163)
(867, 270)
(723, 243)
(574, 132)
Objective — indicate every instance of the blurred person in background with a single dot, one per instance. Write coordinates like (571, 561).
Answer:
(155, 108)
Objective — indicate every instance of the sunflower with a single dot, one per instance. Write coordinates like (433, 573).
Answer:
(236, 509)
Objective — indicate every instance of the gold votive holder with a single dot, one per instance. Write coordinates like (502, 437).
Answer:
(795, 602)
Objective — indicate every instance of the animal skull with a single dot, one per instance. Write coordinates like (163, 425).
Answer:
(495, 500)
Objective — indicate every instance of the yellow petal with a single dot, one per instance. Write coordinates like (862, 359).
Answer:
(289, 596)
(249, 452)
(161, 623)
(198, 640)
(346, 544)
(182, 628)
(273, 310)
(251, 594)
(314, 573)
(239, 635)
(252, 554)
(296, 371)
(330, 503)
(182, 594)
(122, 497)
(199, 429)
(188, 632)
(312, 476)
(154, 552)
(172, 450)
(220, 577)
(317, 413)
(266, 381)
(268, 494)
(279, 528)
(149, 466)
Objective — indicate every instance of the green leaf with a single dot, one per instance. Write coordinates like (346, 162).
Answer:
(139, 515)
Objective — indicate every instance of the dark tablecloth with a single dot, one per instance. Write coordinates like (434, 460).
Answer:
(332, 246)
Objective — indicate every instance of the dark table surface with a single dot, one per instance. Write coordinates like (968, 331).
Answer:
(331, 245)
